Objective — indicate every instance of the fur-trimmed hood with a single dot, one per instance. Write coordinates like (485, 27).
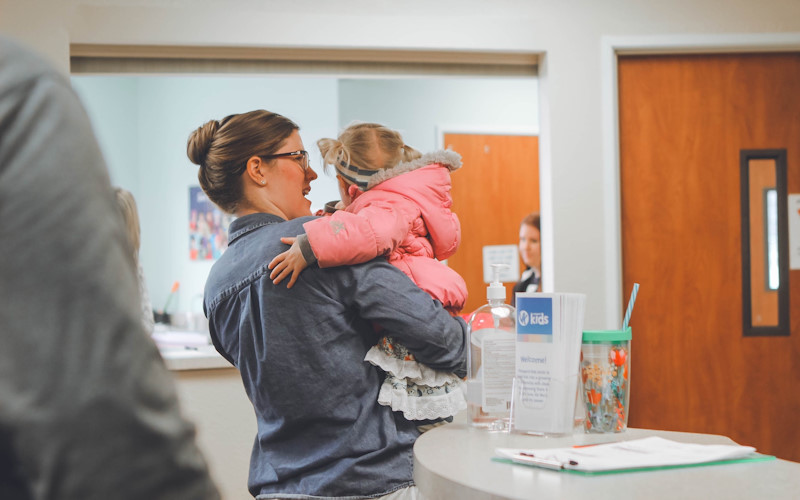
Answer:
(446, 157)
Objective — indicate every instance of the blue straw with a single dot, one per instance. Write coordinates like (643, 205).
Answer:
(630, 306)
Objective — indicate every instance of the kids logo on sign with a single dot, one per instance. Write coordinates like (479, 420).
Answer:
(534, 315)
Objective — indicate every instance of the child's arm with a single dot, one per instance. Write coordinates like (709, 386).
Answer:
(352, 238)
(343, 238)
(291, 262)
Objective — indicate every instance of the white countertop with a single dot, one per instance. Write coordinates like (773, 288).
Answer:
(455, 461)
(193, 358)
(187, 350)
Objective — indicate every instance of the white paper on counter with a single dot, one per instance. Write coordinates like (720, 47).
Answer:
(177, 338)
(635, 454)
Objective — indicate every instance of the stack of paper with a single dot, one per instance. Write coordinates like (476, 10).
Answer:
(548, 347)
(651, 452)
(176, 338)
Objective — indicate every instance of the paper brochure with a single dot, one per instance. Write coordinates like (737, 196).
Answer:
(549, 329)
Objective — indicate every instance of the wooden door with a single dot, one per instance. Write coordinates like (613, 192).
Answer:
(683, 121)
(496, 187)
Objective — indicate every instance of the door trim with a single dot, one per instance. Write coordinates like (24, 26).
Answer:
(611, 48)
(545, 198)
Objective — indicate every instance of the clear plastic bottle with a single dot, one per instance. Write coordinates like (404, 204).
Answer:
(491, 359)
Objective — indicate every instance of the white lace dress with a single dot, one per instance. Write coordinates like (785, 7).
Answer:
(419, 392)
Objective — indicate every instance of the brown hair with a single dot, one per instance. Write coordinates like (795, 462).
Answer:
(532, 219)
(368, 146)
(222, 147)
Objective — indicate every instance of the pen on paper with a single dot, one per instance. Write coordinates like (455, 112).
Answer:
(550, 463)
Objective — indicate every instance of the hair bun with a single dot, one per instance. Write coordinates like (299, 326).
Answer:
(200, 141)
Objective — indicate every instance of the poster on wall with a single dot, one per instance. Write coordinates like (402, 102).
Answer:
(208, 227)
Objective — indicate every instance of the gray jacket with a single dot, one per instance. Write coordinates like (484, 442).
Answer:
(87, 408)
(300, 351)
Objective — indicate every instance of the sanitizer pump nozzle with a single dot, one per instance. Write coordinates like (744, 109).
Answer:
(496, 291)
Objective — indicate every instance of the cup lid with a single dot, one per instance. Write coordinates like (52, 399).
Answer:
(606, 335)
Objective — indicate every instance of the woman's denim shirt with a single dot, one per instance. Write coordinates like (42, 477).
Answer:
(300, 352)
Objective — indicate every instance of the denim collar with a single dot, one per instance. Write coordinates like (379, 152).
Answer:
(250, 222)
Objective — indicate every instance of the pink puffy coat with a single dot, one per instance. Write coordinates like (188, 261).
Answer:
(405, 215)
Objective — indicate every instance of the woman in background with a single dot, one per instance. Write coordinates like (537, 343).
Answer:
(531, 252)
(130, 215)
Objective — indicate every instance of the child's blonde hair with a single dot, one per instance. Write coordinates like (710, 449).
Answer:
(365, 147)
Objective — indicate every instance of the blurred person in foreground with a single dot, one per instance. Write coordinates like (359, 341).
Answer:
(88, 409)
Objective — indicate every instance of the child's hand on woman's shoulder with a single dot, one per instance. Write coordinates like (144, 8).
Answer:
(288, 264)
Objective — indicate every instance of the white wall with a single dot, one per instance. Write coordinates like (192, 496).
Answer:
(420, 108)
(112, 103)
(226, 425)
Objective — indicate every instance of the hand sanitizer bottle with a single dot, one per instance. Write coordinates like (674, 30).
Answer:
(491, 358)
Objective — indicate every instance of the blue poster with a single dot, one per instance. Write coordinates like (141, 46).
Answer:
(208, 227)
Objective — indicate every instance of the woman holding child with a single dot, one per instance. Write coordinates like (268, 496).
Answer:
(300, 351)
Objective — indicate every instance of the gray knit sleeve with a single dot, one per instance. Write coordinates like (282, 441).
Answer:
(305, 249)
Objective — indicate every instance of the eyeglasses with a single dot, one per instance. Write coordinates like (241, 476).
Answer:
(302, 161)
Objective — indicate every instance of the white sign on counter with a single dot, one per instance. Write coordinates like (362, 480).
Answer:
(549, 334)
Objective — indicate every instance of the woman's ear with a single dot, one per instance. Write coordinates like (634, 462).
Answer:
(255, 170)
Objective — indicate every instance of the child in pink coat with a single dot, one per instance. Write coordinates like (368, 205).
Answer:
(397, 204)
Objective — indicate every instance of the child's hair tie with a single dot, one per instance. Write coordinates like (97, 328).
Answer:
(358, 176)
